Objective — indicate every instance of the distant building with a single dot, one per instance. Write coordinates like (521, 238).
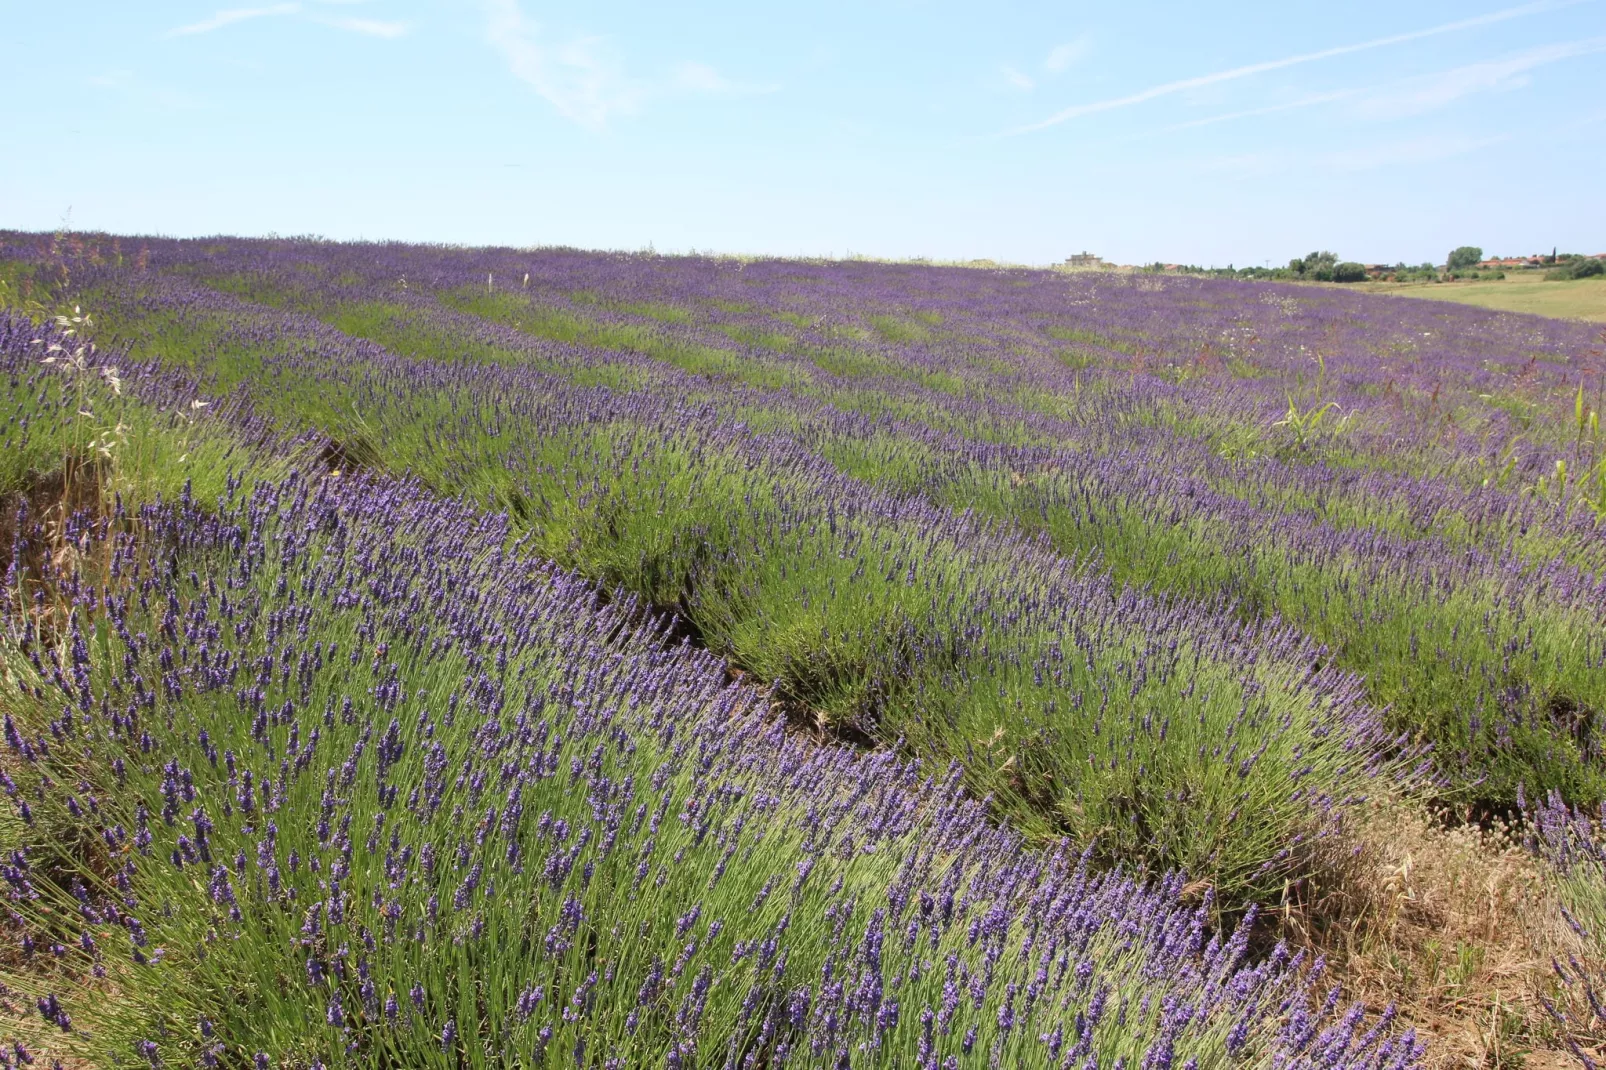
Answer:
(1084, 259)
(1504, 262)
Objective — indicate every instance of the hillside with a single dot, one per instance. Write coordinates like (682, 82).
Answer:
(469, 657)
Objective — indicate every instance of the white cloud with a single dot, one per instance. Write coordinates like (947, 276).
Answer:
(1185, 84)
(1363, 158)
(1271, 109)
(1417, 96)
(1063, 56)
(1586, 121)
(701, 78)
(1020, 81)
(1414, 150)
(128, 84)
(579, 77)
(583, 79)
(369, 27)
(230, 17)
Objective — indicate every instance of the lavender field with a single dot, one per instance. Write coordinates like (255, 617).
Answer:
(441, 657)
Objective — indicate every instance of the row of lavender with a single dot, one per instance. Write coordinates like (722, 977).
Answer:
(1145, 486)
(1573, 843)
(1412, 373)
(1473, 611)
(1171, 732)
(1533, 364)
(326, 772)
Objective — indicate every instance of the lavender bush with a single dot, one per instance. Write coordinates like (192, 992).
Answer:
(331, 773)
(432, 754)
(1573, 841)
(1138, 424)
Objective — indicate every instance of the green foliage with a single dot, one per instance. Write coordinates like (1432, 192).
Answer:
(1318, 266)
(78, 421)
(899, 329)
(21, 290)
(1304, 424)
(903, 651)
(690, 527)
(1462, 257)
(1582, 267)
(1380, 636)
(1349, 271)
(278, 929)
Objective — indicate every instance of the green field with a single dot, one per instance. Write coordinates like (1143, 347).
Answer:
(1583, 299)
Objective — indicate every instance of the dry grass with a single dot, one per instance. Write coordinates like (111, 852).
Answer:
(1456, 926)
(1583, 299)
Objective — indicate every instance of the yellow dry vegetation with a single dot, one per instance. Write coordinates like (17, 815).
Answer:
(1583, 299)
(1453, 924)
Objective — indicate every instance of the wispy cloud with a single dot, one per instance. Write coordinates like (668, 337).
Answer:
(583, 79)
(701, 78)
(579, 78)
(1185, 84)
(1061, 57)
(1309, 101)
(230, 17)
(1413, 150)
(1583, 123)
(1018, 79)
(1417, 96)
(367, 27)
(1360, 158)
(126, 83)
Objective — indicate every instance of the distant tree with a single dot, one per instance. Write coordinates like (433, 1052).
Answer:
(1464, 257)
(1578, 267)
(1349, 271)
(1318, 266)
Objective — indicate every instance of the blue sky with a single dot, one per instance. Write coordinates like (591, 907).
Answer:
(1237, 132)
